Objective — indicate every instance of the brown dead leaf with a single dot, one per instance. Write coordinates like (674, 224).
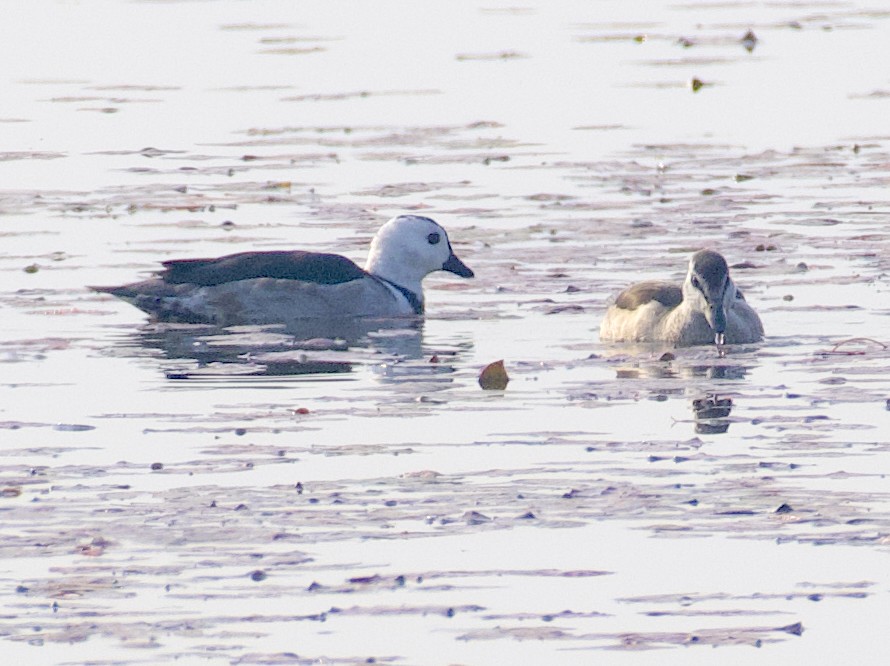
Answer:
(494, 377)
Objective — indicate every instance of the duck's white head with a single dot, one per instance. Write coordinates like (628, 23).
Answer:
(709, 289)
(408, 248)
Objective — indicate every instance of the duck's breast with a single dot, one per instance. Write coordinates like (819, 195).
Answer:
(743, 324)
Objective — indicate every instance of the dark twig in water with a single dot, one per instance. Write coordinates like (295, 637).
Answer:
(834, 350)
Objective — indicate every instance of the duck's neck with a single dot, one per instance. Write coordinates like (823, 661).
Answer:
(415, 300)
(396, 275)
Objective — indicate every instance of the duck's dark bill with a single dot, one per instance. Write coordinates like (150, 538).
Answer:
(456, 266)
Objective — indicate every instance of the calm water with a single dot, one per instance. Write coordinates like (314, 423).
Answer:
(210, 497)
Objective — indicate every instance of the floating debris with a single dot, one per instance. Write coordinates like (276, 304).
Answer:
(836, 350)
(500, 55)
(95, 548)
(475, 518)
(494, 377)
(73, 427)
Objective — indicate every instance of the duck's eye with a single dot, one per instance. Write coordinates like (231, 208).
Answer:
(696, 283)
(739, 296)
(433, 238)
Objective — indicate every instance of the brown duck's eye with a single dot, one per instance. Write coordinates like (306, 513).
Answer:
(433, 238)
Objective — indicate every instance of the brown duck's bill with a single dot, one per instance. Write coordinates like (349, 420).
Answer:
(456, 266)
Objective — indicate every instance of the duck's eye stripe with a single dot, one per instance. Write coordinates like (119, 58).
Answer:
(434, 238)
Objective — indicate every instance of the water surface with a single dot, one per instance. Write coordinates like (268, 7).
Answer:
(236, 497)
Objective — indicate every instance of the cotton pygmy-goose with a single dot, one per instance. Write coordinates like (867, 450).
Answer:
(707, 308)
(285, 287)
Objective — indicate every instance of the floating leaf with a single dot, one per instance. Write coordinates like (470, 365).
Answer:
(90, 550)
(749, 41)
(475, 518)
(494, 377)
(696, 84)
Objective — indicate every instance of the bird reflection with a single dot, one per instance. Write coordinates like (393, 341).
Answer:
(202, 352)
(712, 414)
(667, 370)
